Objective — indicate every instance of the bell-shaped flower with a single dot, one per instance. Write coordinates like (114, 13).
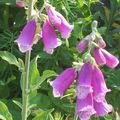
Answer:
(82, 45)
(60, 22)
(49, 36)
(84, 107)
(63, 81)
(101, 43)
(102, 108)
(26, 37)
(111, 61)
(84, 81)
(99, 86)
(99, 57)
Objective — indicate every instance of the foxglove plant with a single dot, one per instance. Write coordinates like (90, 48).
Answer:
(31, 34)
(91, 89)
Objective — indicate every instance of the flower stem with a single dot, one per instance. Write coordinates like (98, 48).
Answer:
(26, 77)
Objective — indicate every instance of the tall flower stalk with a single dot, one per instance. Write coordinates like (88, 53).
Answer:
(26, 77)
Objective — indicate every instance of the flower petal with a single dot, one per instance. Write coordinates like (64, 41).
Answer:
(84, 107)
(82, 45)
(102, 108)
(99, 57)
(26, 38)
(63, 81)
(99, 86)
(84, 81)
(60, 22)
(101, 43)
(111, 61)
(50, 40)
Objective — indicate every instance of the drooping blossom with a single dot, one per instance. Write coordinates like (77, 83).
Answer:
(85, 108)
(104, 57)
(101, 43)
(49, 36)
(99, 86)
(63, 81)
(60, 22)
(99, 57)
(84, 81)
(82, 45)
(84, 42)
(102, 108)
(26, 37)
(111, 60)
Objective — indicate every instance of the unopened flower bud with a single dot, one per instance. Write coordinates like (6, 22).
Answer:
(101, 43)
(20, 3)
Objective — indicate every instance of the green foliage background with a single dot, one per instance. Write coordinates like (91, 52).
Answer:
(81, 13)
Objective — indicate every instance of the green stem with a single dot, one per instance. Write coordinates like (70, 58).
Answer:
(26, 77)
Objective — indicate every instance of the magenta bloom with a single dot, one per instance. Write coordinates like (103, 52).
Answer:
(99, 57)
(102, 108)
(101, 43)
(60, 22)
(111, 61)
(50, 40)
(99, 85)
(84, 107)
(26, 38)
(63, 81)
(84, 81)
(104, 57)
(82, 45)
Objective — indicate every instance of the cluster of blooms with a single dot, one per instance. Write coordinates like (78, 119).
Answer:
(91, 89)
(49, 38)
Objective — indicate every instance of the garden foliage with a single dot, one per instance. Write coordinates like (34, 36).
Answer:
(44, 67)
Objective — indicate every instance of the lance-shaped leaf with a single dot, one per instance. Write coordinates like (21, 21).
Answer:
(10, 58)
(4, 112)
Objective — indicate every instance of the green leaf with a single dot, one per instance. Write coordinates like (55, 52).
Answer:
(10, 58)
(46, 74)
(34, 73)
(4, 112)
(42, 115)
(40, 100)
(18, 103)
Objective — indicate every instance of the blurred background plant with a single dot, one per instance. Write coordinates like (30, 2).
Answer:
(81, 13)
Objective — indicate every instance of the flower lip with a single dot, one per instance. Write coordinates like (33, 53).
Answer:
(82, 91)
(102, 108)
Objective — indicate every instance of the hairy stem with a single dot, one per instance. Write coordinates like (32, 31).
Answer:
(26, 77)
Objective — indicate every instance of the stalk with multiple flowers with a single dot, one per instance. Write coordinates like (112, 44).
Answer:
(91, 87)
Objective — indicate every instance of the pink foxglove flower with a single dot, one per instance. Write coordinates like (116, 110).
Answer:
(111, 61)
(99, 57)
(99, 85)
(104, 57)
(82, 45)
(49, 36)
(84, 107)
(101, 43)
(26, 38)
(102, 108)
(60, 22)
(63, 81)
(84, 81)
